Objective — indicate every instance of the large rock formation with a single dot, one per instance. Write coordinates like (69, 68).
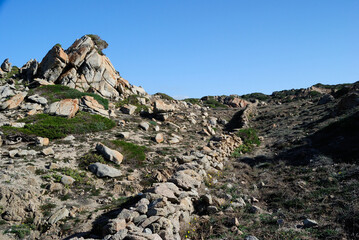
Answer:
(6, 65)
(83, 66)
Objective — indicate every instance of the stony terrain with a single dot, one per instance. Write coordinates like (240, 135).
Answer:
(86, 155)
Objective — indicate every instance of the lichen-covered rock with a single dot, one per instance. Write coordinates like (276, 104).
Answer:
(109, 154)
(53, 64)
(14, 101)
(65, 108)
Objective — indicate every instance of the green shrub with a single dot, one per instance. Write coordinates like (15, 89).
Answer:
(54, 127)
(55, 93)
(47, 208)
(249, 136)
(193, 100)
(89, 159)
(133, 153)
(250, 140)
(164, 96)
(99, 43)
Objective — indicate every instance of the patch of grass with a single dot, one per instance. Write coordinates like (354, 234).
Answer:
(54, 127)
(55, 93)
(21, 230)
(164, 96)
(250, 140)
(75, 174)
(295, 203)
(133, 153)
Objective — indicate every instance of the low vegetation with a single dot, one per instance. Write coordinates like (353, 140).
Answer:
(133, 154)
(55, 93)
(54, 127)
(193, 100)
(250, 139)
(21, 230)
(165, 96)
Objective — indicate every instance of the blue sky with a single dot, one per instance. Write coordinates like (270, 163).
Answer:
(193, 48)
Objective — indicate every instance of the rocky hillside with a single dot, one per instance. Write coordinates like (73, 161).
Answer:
(86, 155)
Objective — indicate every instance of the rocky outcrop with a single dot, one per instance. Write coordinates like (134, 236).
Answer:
(53, 64)
(6, 65)
(6, 91)
(83, 66)
(29, 70)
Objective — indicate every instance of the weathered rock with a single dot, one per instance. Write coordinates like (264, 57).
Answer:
(168, 190)
(29, 70)
(186, 179)
(159, 138)
(58, 215)
(109, 154)
(38, 99)
(128, 109)
(90, 104)
(42, 141)
(67, 180)
(6, 91)
(124, 135)
(174, 140)
(53, 64)
(65, 108)
(6, 65)
(91, 70)
(14, 101)
(309, 223)
(237, 102)
(17, 125)
(326, 99)
(48, 151)
(102, 170)
(128, 215)
(161, 107)
(144, 125)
